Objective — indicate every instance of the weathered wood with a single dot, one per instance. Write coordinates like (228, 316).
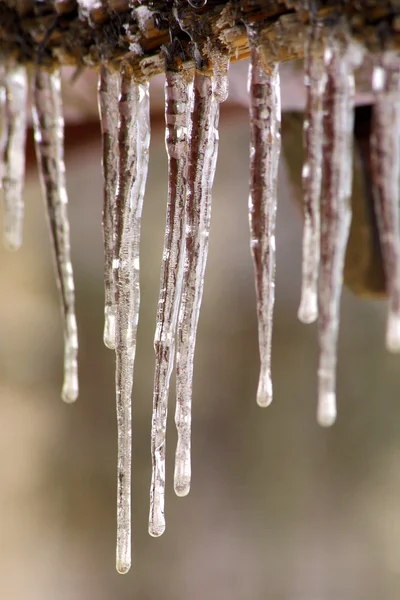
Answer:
(63, 32)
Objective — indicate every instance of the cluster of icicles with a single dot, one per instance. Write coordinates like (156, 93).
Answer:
(192, 111)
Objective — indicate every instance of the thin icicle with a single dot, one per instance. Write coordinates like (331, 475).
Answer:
(178, 93)
(385, 163)
(3, 120)
(16, 88)
(133, 143)
(203, 152)
(265, 145)
(315, 81)
(108, 94)
(335, 213)
(49, 137)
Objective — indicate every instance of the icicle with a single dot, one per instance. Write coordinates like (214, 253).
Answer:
(3, 120)
(335, 213)
(265, 144)
(16, 88)
(133, 143)
(315, 81)
(108, 93)
(49, 137)
(203, 151)
(385, 162)
(178, 92)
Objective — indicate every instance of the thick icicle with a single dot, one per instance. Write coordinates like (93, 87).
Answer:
(315, 80)
(265, 144)
(108, 93)
(385, 163)
(133, 143)
(49, 138)
(16, 92)
(178, 92)
(335, 213)
(203, 152)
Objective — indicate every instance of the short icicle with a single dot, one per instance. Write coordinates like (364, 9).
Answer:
(385, 163)
(315, 81)
(203, 150)
(338, 120)
(178, 92)
(265, 145)
(133, 144)
(16, 94)
(48, 124)
(108, 94)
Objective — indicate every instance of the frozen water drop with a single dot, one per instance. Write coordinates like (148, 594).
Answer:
(108, 93)
(315, 80)
(203, 149)
(48, 124)
(265, 144)
(385, 163)
(178, 95)
(133, 145)
(16, 92)
(326, 413)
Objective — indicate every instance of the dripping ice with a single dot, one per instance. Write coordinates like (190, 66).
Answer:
(49, 138)
(133, 146)
(265, 143)
(203, 150)
(385, 157)
(178, 95)
(340, 62)
(14, 92)
(315, 80)
(108, 94)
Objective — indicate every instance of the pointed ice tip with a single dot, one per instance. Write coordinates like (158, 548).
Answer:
(393, 333)
(264, 392)
(70, 392)
(326, 412)
(123, 566)
(182, 487)
(308, 309)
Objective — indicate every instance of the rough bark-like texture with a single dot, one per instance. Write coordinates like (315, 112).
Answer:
(61, 31)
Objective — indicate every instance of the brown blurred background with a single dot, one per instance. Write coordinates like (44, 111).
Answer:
(279, 508)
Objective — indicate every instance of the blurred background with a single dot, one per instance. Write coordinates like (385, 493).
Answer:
(279, 508)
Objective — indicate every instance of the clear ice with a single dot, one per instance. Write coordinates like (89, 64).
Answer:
(203, 150)
(108, 94)
(133, 144)
(15, 94)
(48, 124)
(178, 95)
(336, 185)
(315, 80)
(265, 145)
(385, 163)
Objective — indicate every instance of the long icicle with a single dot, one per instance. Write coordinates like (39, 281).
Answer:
(16, 87)
(178, 92)
(133, 143)
(203, 152)
(49, 138)
(265, 144)
(3, 120)
(315, 81)
(385, 169)
(108, 93)
(335, 213)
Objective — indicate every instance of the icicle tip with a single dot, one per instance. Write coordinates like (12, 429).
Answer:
(157, 526)
(326, 412)
(393, 333)
(264, 391)
(123, 566)
(182, 476)
(308, 309)
(70, 390)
